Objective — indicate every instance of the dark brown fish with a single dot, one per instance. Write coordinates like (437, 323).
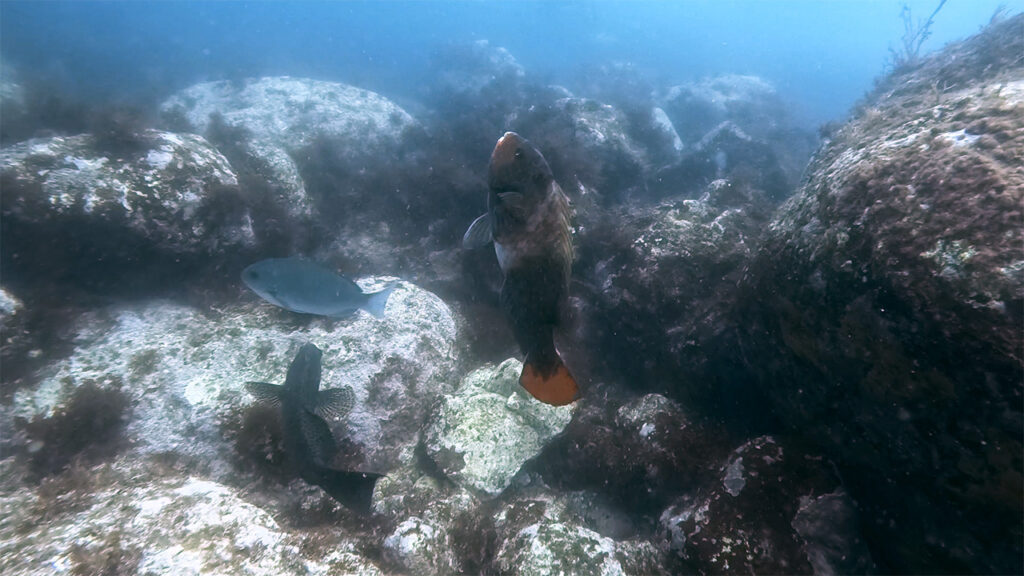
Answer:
(528, 220)
(308, 441)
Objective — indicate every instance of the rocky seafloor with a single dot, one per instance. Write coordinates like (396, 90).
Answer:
(793, 361)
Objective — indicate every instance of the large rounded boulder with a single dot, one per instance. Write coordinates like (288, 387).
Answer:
(291, 130)
(882, 316)
(91, 210)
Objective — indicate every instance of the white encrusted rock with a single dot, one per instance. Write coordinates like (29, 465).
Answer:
(550, 547)
(421, 548)
(482, 434)
(282, 116)
(9, 305)
(184, 373)
(160, 192)
(141, 525)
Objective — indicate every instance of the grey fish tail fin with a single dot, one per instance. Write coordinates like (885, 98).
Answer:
(377, 301)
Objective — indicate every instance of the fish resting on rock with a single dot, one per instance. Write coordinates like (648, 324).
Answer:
(303, 286)
(308, 443)
(528, 220)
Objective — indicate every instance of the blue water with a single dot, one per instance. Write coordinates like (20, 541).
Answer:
(821, 55)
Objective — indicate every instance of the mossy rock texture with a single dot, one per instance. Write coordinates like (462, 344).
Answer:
(882, 315)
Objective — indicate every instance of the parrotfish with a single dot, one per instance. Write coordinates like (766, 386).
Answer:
(308, 442)
(528, 220)
(302, 286)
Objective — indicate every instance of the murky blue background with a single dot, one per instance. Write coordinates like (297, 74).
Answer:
(822, 55)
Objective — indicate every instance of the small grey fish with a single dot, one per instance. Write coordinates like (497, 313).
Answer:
(308, 441)
(302, 286)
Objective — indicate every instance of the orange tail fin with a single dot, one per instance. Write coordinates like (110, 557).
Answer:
(556, 387)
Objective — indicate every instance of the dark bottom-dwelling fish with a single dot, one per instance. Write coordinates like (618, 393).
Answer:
(308, 443)
(528, 220)
(303, 286)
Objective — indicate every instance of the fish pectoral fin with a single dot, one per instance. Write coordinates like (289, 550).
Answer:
(556, 387)
(335, 402)
(264, 392)
(479, 233)
(512, 200)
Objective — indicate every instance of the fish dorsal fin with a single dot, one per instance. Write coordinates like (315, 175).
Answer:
(479, 233)
(264, 392)
(335, 402)
(555, 387)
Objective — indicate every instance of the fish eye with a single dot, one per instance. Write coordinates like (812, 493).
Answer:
(518, 154)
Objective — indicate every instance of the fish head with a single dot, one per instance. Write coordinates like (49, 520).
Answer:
(518, 170)
(263, 278)
(304, 372)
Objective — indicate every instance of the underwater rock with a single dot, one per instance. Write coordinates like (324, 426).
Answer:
(590, 140)
(181, 375)
(9, 306)
(829, 525)
(92, 213)
(656, 284)
(641, 454)
(421, 548)
(744, 522)
(882, 315)
(282, 123)
(697, 107)
(132, 523)
(13, 104)
(774, 143)
(472, 69)
(551, 547)
(534, 530)
(482, 434)
(726, 152)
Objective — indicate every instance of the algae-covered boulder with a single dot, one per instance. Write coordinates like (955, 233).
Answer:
(656, 284)
(283, 123)
(695, 108)
(745, 521)
(174, 379)
(546, 535)
(482, 434)
(559, 548)
(87, 208)
(421, 548)
(473, 69)
(771, 140)
(640, 454)
(591, 140)
(882, 315)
